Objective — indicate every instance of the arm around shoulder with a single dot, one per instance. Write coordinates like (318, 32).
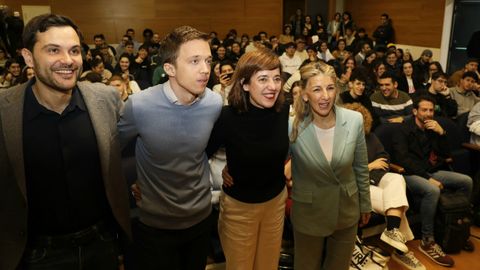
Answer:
(127, 126)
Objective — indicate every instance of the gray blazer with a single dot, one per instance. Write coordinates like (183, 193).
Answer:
(104, 108)
(328, 197)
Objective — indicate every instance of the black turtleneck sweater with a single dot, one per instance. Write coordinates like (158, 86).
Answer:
(256, 144)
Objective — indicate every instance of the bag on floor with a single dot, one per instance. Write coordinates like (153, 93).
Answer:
(452, 221)
(366, 257)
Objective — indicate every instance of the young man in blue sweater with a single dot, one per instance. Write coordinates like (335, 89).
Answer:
(172, 123)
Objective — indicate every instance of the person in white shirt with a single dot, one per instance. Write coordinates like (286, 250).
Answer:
(301, 51)
(290, 62)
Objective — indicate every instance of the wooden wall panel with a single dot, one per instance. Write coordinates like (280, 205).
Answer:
(416, 22)
(112, 18)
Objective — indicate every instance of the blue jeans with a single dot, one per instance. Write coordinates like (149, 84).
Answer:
(101, 253)
(429, 194)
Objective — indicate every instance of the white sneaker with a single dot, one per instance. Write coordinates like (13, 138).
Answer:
(395, 239)
(408, 260)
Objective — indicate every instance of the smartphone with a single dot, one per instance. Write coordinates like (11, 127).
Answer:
(228, 75)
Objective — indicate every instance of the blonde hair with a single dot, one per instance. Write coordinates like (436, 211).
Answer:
(302, 109)
(367, 116)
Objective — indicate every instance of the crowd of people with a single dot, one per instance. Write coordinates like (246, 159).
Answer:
(304, 102)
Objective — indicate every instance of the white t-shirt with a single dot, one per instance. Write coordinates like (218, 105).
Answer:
(325, 139)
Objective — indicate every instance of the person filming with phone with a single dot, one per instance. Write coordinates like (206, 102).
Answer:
(223, 88)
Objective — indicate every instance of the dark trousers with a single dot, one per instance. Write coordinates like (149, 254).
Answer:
(99, 252)
(154, 249)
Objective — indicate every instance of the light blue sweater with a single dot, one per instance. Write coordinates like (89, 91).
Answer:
(172, 167)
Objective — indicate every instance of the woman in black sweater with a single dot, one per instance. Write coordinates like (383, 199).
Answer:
(254, 130)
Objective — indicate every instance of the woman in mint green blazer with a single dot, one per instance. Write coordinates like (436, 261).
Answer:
(329, 167)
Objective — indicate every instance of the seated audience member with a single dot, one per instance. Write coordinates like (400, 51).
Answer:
(368, 65)
(420, 66)
(464, 93)
(380, 51)
(220, 53)
(438, 90)
(399, 53)
(141, 69)
(312, 55)
(349, 36)
(360, 39)
(121, 85)
(290, 62)
(473, 124)
(471, 65)
(255, 44)
(213, 40)
(214, 75)
(407, 82)
(421, 147)
(323, 52)
(433, 67)
(121, 48)
(244, 41)
(360, 56)
(92, 77)
(356, 94)
(275, 45)
(97, 66)
(223, 88)
(340, 52)
(388, 195)
(347, 67)
(321, 33)
(123, 68)
(129, 50)
(236, 52)
(108, 59)
(407, 56)
(286, 36)
(389, 104)
(12, 74)
(123, 65)
(230, 37)
(391, 63)
(27, 74)
(102, 48)
(301, 52)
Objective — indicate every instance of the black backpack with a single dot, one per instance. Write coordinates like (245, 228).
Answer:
(452, 221)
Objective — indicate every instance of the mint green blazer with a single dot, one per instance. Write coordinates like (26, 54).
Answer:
(328, 197)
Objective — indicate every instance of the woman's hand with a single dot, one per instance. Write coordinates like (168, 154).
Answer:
(227, 178)
(364, 218)
(378, 164)
(136, 192)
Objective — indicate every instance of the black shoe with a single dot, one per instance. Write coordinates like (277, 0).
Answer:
(469, 246)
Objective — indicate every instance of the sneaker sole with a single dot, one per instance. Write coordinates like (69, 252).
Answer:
(402, 247)
(395, 258)
(435, 261)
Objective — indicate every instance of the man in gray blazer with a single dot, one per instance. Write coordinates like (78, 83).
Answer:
(64, 201)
